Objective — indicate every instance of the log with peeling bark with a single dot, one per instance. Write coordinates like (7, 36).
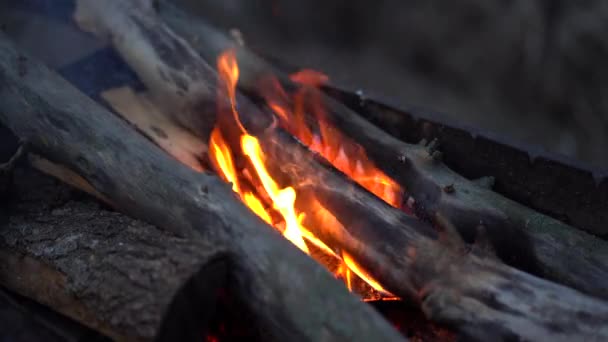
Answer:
(293, 297)
(470, 291)
(520, 236)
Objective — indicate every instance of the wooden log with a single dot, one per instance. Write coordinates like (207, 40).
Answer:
(293, 297)
(520, 236)
(477, 295)
(188, 77)
(112, 273)
(481, 297)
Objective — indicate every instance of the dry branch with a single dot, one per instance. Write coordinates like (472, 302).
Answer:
(478, 295)
(293, 297)
(521, 237)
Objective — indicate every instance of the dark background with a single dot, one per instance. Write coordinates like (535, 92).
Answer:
(533, 70)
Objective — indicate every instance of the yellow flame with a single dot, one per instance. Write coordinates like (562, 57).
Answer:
(220, 153)
(256, 205)
(358, 270)
(282, 199)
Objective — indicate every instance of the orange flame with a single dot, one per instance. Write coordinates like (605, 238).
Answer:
(281, 200)
(344, 154)
(229, 73)
(309, 77)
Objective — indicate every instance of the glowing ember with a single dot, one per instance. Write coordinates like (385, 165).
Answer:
(276, 204)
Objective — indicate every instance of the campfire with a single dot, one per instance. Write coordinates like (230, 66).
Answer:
(276, 204)
(257, 195)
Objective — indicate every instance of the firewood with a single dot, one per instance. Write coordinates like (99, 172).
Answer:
(451, 285)
(141, 112)
(520, 236)
(189, 82)
(293, 297)
(478, 295)
(112, 273)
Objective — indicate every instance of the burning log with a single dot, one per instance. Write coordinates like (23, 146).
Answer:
(470, 291)
(293, 297)
(451, 285)
(520, 236)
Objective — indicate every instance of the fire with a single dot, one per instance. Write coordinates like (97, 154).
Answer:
(344, 154)
(260, 191)
(358, 270)
(220, 154)
(282, 199)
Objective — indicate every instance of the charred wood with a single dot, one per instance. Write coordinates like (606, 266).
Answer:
(473, 293)
(520, 236)
(292, 296)
(470, 291)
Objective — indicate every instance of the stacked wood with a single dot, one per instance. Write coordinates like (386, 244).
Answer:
(115, 274)
(471, 291)
(291, 295)
(520, 236)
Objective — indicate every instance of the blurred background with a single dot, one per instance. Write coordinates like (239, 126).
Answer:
(535, 71)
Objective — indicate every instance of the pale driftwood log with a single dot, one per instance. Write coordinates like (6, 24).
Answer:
(147, 117)
(521, 237)
(112, 273)
(293, 297)
(189, 82)
(475, 294)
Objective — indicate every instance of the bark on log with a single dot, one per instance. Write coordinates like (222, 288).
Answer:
(293, 296)
(477, 295)
(521, 237)
(110, 272)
